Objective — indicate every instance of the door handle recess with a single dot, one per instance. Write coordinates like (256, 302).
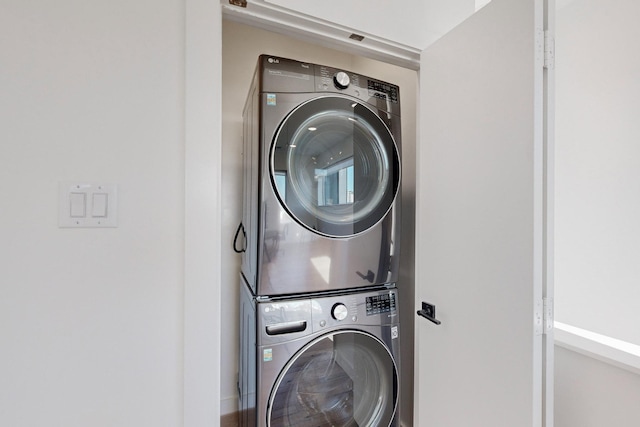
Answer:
(286, 328)
(429, 312)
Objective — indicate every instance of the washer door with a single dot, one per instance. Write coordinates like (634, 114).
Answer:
(335, 166)
(346, 378)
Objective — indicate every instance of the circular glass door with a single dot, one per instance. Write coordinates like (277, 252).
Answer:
(335, 166)
(347, 378)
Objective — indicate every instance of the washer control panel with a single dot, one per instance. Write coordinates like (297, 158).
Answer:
(283, 318)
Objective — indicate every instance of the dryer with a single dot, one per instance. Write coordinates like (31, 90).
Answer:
(330, 360)
(322, 179)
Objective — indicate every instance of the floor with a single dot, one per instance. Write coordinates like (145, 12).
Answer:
(229, 420)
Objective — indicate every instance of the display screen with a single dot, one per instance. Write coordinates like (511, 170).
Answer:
(382, 90)
(381, 304)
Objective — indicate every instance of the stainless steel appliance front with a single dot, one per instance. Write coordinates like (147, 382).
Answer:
(322, 178)
(320, 361)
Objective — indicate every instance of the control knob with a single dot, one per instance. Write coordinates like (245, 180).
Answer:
(341, 80)
(339, 311)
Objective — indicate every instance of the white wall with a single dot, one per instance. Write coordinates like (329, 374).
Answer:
(590, 393)
(598, 167)
(241, 46)
(597, 204)
(91, 319)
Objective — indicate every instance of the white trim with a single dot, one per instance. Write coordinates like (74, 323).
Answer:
(203, 228)
(548, 362)
(321, 32)
(616, 352)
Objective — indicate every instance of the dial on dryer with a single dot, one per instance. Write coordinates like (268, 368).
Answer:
(341, 80)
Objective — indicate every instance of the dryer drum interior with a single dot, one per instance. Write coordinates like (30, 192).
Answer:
(342, 379)
(335, 166)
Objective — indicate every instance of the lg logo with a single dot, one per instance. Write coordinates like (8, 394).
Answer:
(273, 61)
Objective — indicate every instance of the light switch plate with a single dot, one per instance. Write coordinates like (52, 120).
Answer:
(87, 205)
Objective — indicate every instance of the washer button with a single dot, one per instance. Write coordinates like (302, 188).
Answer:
(339, 311)
(323, 323)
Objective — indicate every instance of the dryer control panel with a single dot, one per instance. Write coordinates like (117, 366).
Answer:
(377, 304)
(381, 94)
(282, 75)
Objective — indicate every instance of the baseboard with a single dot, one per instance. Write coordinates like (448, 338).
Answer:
(230, 420)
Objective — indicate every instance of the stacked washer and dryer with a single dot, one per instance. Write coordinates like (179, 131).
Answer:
(319, 303)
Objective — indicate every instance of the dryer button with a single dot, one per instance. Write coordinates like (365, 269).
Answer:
(323, 323)
(341, 80)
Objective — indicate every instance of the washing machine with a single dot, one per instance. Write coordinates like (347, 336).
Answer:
(330, 360)
(322, 179)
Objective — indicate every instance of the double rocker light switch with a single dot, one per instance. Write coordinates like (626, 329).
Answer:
(87, 205)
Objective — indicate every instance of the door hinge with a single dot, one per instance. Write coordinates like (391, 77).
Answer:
(547, 306)
(549, 50)
(543, 316)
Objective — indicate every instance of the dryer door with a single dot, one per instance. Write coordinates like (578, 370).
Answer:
(335, 166)
(346, 378)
